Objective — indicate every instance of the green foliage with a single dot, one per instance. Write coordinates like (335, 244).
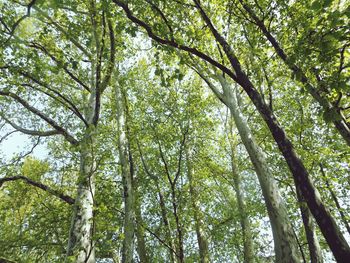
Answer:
(51, 61)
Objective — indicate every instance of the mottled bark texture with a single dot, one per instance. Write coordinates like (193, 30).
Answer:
(197, 213)
(127, 178)
(248, 249)
(286, 247)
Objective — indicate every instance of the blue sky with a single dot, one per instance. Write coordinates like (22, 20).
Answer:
(18, 143)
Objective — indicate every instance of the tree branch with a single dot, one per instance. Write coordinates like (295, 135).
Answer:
(172, 43)
(16, 24)
(63, 197)
(61, 29)
(30, 132)
(104, 83)
(50, 121)
(60, 63)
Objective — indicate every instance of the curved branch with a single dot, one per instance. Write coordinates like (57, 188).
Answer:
(7, 135)
(69, 104)
(172, 43)
(30, 132)
(65, 32)
(171, 31)
(63, 197)
(59, 62)
(16, 24)
(37, 112)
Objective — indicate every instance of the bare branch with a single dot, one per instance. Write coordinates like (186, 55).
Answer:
(7, 135)
(23, 155)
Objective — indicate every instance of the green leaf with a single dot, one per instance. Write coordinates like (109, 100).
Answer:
(316, 5)
(327, 3)
(330, 115)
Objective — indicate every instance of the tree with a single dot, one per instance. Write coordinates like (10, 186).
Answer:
(328, 226)
(158, 131)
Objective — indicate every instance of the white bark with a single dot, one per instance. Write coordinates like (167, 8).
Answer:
(129, 202)
(286, 247)
(80, 244)
(248, 247)
(198, 217)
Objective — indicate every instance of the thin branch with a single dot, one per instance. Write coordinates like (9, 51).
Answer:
(166, 167)
(29, 132)
(7, 135)
(23, 155)
(37, 112)
(71, 106)
(151, 232)
(144, 165)
(58, 62)
(171, 31)
(16, 24)
(182, 146)
(63, 197)
(172, 43)
(65, 32)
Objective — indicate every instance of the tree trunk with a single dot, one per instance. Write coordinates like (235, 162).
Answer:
(81, 247)
(129, 205)
(179, 234)
(80, 244)
(164, 213)
(244, 220)
(140, 235)
(339, 120)
(286, 247)
(201, 236)
(310, 231)
(324, 219)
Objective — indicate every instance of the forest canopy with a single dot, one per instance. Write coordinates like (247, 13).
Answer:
(174, 131)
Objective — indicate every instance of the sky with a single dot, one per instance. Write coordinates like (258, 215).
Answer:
(19, 143)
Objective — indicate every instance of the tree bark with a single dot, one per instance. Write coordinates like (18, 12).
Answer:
(81, 244)
(173, 256)
(127, 179)
(286, 247)
(339, 120)
(140, 235)
(310, 231)
(179, 234)
(242, 210)
(198, 217)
